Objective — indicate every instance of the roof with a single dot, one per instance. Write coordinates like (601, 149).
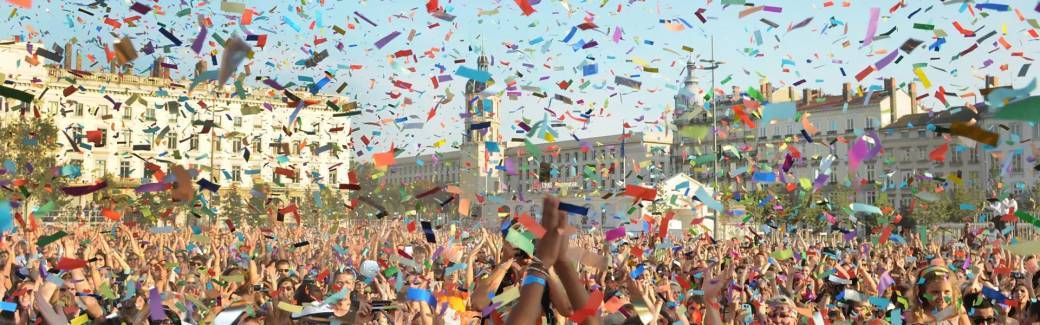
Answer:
(826, 101)
(953, 114)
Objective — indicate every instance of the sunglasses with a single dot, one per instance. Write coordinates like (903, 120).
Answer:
(984, 320)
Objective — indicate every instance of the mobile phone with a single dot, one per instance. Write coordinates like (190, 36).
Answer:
(381, 305)
(1018, 275)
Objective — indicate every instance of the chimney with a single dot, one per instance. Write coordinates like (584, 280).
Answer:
(807, 96)
(67, 59)
(912, 91)
(79, 60)
(201, 67)
(890, 88)
(767, 91)
(992, 81)
(846, 91)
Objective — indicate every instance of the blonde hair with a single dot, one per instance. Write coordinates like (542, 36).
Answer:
(919, 306)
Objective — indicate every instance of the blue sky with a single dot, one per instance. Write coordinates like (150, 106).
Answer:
(815, 52)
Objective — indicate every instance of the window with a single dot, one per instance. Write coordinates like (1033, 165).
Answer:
(256, 146)
(276, 177)
(974, 155)
(129, 137)
(850, 124)
(904, 202)
(1016, 163)
(236, 145)
(193, 143)
(295, 147)
(149, 113)
(124, 169)
(100, 168)
(921, 152)
(78, 163)
(834, 125)
(870, 123)
(216, 143)
(171, 141)
(128, 112)
(920, 133)
(955, 156)
(79, 109)
(871, 197)
(238, 121)
(334, 176)
(236, 174)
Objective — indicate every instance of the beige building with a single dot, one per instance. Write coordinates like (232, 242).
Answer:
(909, 142)
(589, 172)
(125, 126)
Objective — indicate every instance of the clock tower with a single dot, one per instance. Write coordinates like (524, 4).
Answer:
(482, 148)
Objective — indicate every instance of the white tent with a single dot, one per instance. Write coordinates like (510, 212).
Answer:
(678, 193)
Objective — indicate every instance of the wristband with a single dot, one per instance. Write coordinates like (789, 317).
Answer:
(531, 278)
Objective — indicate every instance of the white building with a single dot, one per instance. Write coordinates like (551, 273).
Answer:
(125, 126)
(590, 172)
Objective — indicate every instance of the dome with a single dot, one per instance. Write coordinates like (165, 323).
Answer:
(690, 96)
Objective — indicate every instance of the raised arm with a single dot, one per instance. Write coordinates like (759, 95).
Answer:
(529, 308)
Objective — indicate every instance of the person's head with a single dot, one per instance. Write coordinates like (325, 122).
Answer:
(1020, 292)
(286, 287)
(983, 313)
(861, 310)
(343, 279)
(308, 291)
(935, 289)
(781, 311)
(283, 268)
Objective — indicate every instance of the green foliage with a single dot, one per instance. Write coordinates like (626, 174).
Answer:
(234, 205)
(30, 145)
(397, 199)
(947, 208)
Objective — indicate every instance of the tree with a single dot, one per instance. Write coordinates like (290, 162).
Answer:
(396, 199)
(233, 205)
(30, 148)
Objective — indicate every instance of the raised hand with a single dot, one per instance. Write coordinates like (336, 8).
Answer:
(548, 247)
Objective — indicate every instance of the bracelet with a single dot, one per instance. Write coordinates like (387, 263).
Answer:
(531, 278)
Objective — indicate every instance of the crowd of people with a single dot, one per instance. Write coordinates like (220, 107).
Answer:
(534, 271)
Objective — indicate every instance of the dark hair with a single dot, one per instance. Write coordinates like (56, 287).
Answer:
(308, 291)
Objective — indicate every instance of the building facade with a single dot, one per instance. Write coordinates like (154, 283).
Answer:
(127, 128)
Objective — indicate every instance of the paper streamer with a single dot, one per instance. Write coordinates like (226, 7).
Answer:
(235, 51)
(416, 294)
(871, 27)
(778, 112)
(996, 98)
(570, 208)
(865, 208)
(473, 74)
(614, 234)
(386, 39)
(708, 200)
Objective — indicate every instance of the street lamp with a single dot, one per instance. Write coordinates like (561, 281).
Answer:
(712, 64)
